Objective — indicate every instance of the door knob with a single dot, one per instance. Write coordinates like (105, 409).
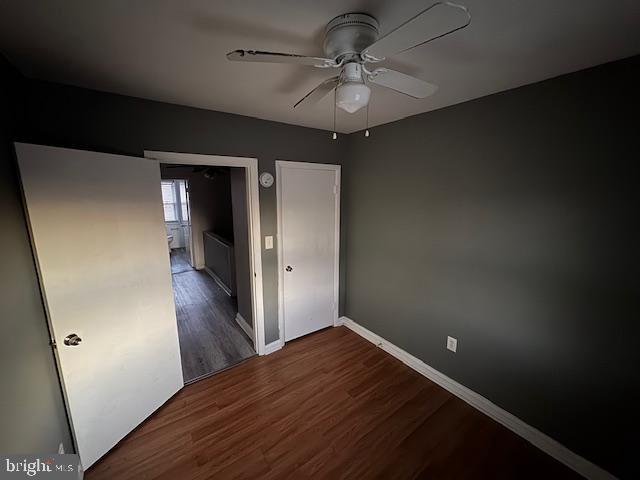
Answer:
(72, 340)
(289, 268)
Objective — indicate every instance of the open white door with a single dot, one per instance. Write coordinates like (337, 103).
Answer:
(308, 230)
(98, 233)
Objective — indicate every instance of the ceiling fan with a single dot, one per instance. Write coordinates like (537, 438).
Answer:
(351, 43)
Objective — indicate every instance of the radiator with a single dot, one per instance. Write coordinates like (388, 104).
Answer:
(219, 261)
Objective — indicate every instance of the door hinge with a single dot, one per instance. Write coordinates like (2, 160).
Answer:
(335, 189)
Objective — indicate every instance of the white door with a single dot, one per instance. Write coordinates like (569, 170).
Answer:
(309, 209)
(98, 232)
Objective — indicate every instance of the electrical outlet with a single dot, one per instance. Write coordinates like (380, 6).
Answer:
(452, 344)
(268, 242)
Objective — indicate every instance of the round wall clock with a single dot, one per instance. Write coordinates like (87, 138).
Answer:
(266, 179)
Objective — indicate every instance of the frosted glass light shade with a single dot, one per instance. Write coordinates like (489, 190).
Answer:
(352, 96)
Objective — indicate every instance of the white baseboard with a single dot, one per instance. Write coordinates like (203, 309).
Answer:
(273, 347)
(513, 423)
(244, 325)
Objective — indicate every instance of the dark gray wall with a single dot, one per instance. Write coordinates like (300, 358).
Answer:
(223, 222)
(32, 415)
(511, 223)
(77, 118)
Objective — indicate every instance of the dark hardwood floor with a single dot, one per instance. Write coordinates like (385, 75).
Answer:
(330, 405)
(210, 338)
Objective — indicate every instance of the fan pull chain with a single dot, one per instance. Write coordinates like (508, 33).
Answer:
(366, 132)
(335, 98)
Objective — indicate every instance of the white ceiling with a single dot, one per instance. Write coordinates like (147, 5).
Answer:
(174, 51)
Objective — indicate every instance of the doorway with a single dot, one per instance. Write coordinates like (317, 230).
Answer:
(247, 192)
(206, 222)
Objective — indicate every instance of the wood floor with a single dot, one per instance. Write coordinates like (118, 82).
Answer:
(330, 405)
(210, 338)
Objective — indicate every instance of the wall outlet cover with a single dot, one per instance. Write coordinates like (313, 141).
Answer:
(452, 344)
(268, 242)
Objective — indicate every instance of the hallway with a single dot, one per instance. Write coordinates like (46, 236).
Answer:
(210, 338)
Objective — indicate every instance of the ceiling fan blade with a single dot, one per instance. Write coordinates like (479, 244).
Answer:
(440, 19)
(403, 83)
(318, 93)
(276, 57)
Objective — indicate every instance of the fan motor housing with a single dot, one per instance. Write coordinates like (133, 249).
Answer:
(349, 34)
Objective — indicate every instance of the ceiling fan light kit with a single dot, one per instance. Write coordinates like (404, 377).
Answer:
(352, 41)
(351, 93)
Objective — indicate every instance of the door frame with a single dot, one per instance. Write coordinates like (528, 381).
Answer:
(253, 216)
(336, 277)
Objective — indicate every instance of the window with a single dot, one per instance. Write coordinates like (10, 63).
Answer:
(169, 201)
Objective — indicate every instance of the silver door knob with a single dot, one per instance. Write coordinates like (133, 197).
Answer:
(72, 340)
(289, 268)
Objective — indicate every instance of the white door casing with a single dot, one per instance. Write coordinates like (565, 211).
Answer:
(309, 239)
(253, 216)
(97, 228)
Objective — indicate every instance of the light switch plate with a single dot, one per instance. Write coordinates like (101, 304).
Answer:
(268, 242)
(452, 344)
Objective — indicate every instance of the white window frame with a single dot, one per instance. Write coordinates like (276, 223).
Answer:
(174, 203)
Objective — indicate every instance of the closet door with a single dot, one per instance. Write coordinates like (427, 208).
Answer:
(308, 196)
(98, 234)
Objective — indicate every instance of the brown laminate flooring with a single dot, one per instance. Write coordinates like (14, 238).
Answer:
(330, 405)
(210, 338)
